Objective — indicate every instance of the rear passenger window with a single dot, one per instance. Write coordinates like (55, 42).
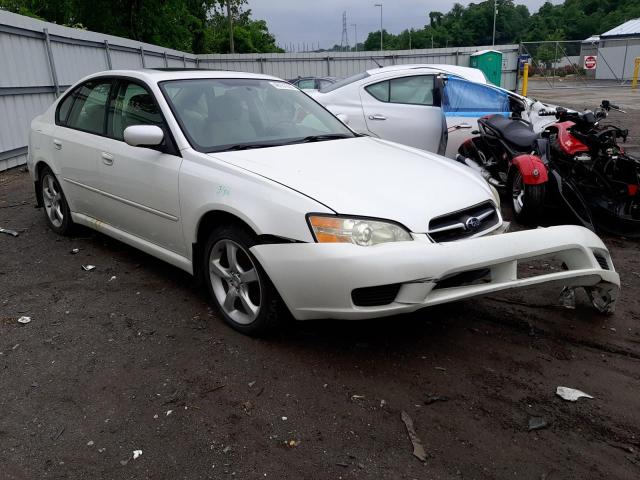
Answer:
(90, 107)
(63, 109)
(380, 91)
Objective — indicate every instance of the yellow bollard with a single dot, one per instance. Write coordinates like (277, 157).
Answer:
(636, 68)
(525, 78)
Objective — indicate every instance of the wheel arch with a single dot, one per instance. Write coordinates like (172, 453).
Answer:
(40, 165)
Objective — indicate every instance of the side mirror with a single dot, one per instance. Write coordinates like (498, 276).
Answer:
(143, 135)
(343, 118)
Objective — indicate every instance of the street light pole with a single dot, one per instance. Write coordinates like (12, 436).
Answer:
(380, 5)
(495, 14)
(355, 30)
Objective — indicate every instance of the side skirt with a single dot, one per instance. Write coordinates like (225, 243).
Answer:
(137, 242)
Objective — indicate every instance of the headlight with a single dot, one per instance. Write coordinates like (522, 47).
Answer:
(360, 231)
(496, 195)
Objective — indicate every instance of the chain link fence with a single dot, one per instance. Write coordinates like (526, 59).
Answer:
(578, 64)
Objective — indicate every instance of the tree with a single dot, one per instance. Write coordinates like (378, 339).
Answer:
(199, 26)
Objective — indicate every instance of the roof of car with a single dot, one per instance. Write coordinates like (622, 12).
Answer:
(472, 74)
(159, 75)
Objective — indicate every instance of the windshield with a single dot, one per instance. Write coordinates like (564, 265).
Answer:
(232, 113)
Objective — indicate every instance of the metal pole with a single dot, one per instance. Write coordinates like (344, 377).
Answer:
(381, 42)
(495, 14)
(52, 63)
(636, 68)
(355, 30)
(142, 56)
(184, 61)
(555, 60)
(107, 52)
(525, 79)
(624, 62)
(230, 26)
(166, 60)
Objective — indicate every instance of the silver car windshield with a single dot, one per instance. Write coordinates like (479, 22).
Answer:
(236, 114)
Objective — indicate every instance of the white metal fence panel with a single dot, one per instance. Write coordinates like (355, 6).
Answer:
(23, 61)
(125, 60)
(344, 64)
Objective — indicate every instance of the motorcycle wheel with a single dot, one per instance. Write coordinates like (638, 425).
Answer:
(527, 200)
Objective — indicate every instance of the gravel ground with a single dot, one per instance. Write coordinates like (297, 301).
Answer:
(110, 365)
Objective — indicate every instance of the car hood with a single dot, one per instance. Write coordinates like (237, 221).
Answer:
(369, 177)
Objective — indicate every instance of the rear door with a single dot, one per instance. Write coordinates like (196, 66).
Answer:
(463, 103)
(405, 110)
(78, 138)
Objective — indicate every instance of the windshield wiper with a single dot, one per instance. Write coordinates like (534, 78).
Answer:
(244, 146)
(321, 138)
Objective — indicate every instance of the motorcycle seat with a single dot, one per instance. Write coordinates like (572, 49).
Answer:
(513, 131)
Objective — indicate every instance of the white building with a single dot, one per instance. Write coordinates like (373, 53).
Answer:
(617, 50)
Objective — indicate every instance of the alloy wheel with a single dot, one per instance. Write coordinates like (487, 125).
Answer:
(235, 281)
(52, 196)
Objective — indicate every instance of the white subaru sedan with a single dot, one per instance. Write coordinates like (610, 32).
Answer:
(249, 184)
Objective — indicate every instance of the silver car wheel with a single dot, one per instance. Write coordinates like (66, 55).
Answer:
(52, 196)
(235, 281)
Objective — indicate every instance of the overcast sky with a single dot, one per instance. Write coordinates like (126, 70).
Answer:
(314, 21)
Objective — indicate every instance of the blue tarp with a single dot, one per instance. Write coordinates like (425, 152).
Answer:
(467, 99)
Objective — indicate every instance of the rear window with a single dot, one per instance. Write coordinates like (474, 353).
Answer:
(342, 83)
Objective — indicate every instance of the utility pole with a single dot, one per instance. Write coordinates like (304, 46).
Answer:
(381, 45)
(230, 26)
(355, 31)
(495, 14)
(344, 41)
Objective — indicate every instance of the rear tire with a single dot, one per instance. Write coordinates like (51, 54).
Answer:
(527, 201)
(56, 208)
(237, 284)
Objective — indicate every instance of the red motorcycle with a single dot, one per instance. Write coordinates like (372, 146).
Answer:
(576, 162)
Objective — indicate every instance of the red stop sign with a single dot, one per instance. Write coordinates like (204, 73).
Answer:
(590, 62)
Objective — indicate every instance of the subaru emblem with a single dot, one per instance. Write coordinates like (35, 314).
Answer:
(472, 223)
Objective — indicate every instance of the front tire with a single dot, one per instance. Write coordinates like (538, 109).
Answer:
(238, 285)
(527, 201)
(56, 208)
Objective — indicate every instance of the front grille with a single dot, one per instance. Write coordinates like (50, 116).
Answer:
(375, 296)
(463, 223)
(602, 261)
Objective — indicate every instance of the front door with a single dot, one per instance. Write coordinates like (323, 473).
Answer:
(141, 184)
(404, 110)
(464, 102)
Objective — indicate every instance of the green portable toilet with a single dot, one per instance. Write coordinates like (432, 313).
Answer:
(489, 62)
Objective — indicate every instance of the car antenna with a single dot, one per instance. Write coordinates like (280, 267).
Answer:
(376, 62)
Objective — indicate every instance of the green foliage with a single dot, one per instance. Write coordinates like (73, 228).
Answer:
(473, 25)
(198, 26)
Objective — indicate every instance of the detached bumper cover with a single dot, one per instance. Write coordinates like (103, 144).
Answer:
(316, 280)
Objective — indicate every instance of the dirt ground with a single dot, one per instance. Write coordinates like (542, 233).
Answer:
(130, 357)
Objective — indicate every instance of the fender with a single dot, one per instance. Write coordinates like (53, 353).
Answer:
(534, 171)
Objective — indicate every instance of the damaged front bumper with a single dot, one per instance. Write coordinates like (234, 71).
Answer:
(318, 280)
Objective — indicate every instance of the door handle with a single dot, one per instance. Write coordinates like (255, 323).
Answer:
(377, 117)
(57, 143)
(107, 158)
